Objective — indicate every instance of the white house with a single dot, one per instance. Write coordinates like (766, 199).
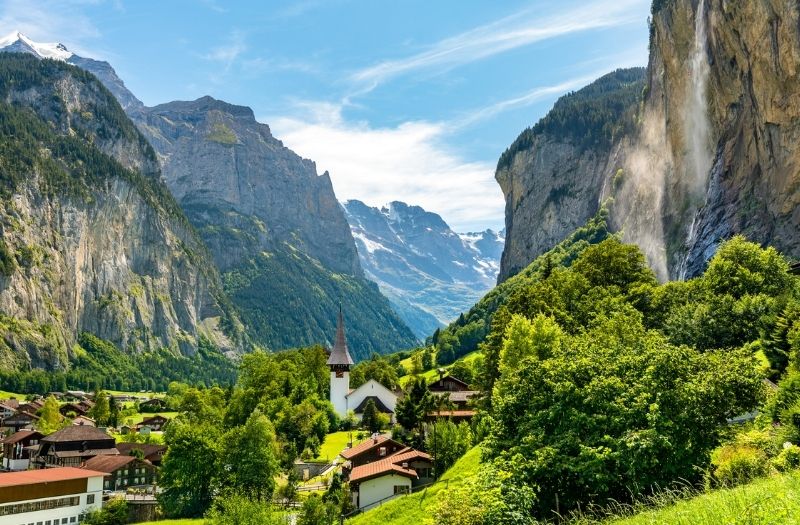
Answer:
(342, 398)
(49, 496)
(375, 482)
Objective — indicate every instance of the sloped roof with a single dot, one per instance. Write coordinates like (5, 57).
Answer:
(367, 445)
(108, 464)
(16, 437)
(77, 433)
(391, 465)
(340, 355)
(148, 450)
(452, 413)
(378, 404)
(31, 477)
(86, 453)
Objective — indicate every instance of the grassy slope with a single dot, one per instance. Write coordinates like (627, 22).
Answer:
(198, 521)
(336, 442)
(416, 508)
(770, 501)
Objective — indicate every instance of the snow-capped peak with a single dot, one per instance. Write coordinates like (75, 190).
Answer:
(52, 50)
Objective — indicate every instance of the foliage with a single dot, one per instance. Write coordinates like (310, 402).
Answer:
(316, 511)
(50, 418)
(236, 509)
(114, 512)
(369, 419)
(376, 367)
(412, 408)
(249, 463)
(736, 464)
(101, 410)
(447, 442)
(592, 117)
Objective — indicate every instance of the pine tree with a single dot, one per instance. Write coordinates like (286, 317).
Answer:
(370, 418)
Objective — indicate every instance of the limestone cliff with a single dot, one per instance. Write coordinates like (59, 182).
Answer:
(714, 150)
(92, 241)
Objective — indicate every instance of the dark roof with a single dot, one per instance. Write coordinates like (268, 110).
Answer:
(86, 453)
(368, 445)
(108, 464)
(16, 437)
(156, 418)
(340, 355)
(378, 404)
(77, 433)
(148, 450)
(439, 383)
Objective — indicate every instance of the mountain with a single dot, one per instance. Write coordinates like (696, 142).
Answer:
(91, 240)
(273, 227)
(429, 273)
(701, 146)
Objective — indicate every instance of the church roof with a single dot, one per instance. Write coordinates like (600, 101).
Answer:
(378, 405)
(340, 355)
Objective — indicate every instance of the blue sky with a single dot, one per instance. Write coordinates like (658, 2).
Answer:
(404, 100)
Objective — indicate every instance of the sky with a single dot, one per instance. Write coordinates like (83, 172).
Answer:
(404, 100)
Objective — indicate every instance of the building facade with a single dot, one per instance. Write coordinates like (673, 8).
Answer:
(56, 496)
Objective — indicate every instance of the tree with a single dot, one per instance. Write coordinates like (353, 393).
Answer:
(114, 512)
(236, 509)
(189, 469)
(539, 338)
(101, 411)
(412, 408)
(113, 412)
(49, 416)
(315, 511)
(249, 460)
(447, 442)
(369, 419)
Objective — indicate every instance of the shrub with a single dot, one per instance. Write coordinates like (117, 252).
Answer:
(788, 459)
(736, 464)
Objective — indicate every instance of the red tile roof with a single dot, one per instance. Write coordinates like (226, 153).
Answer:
(390, 465)
(48, 475)
(366, 446)
(108, 464)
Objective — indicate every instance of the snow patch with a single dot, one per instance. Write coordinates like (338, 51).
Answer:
(52, 50)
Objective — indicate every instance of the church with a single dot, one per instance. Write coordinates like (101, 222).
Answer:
(342, 397)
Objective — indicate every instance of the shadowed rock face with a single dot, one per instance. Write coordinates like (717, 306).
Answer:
(750, 56)
(228, 172)
(100, 244)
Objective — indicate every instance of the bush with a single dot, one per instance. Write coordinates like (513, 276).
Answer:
(788, 459)
(736, 464)
(239, 510)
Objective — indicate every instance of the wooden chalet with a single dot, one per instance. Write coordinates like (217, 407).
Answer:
(73, 445)
(19, 448)
(122, 472)
(152, 405)
(155, 423)
(152, 453)
(20, 420)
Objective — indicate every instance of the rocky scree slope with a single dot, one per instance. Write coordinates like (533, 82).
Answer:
(91, 240)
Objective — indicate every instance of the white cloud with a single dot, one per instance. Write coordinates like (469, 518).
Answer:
(521, 29)
(47, 21)
(409, 162)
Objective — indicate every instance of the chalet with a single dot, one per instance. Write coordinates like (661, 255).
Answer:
(18, 448)
(155, 423)
(8, 409)
(456, 391)
(74, 409)
(397, 474)
(76, 395)
(122, 471)
(83, 420)
(152, 453)
(152, 405)
(31, 407)
(452, 415)
(342, 397)
(73, 445)
(20, 420)
(376, 448)
(123, 398)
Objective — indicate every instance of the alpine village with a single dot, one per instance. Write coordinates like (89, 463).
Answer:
(200, 326)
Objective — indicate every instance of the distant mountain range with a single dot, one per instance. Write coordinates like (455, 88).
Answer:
(429, 272)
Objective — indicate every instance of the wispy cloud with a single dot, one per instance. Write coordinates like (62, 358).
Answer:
(227, 53)
(520, 29)
(408, 162)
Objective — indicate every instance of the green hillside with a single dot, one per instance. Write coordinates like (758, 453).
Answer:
(416, 509)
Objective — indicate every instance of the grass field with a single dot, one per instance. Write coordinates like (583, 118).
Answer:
(8, 395)
(334, 443)
(432, 375)
(765, 502)
(138, 418)
(416, 508)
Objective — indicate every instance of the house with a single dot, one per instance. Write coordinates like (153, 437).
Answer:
(453, 415)
(77, 395)
(456, 391)
(399, 473)
(73, 445)
(49, 496)
(152, 453)
(83, 420)
(155, 423)
(123, 398)
(152, 405)
(376, 448)
(8, 409)
(342, 397)
(74, 409)
(18, 449)
(20, 420)
(123, 471)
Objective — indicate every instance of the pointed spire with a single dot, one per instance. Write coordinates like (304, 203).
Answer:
(340, 355)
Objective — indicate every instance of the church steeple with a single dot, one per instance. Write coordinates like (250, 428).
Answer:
(340, 355)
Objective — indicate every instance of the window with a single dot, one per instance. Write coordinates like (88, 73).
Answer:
(382, 451)
(64, 520)
(72, 519)
(90, 499)
(401, 489)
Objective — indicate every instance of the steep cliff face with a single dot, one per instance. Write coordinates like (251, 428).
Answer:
(749, 183)
(554, 174)
(430, 273)
(92, 241)
(273, 225)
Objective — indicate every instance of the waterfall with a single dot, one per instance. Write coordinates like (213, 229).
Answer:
(697, 128)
